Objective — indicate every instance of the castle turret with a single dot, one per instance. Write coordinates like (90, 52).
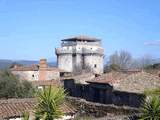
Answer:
(78, 53)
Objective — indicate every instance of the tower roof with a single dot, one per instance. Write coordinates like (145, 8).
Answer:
(82, 38)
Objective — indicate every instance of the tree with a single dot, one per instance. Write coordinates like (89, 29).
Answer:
(11, 87)
(123, 59)
(49, 101)
(145, 61)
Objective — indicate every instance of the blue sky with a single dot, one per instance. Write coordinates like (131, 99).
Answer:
(31, 29)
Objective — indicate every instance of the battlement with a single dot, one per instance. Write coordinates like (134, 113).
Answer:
(83, 51)
(75, 43)
(81, 40)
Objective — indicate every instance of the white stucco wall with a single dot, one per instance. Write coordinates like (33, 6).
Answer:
(27, 75)
(95, 62)
(93, 57)
(34, 75)
(65, 62)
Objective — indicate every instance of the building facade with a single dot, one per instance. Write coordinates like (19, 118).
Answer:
(79, 53)
(39, 72)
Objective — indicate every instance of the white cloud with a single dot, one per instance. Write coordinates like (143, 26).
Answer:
(156, 42)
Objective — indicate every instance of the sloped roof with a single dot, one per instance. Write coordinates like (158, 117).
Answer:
(81, 38)
(109, 78)
(25, 68)
(46, 83)
(138, 82)
(82, 78)
(16, 107)
(36, 68)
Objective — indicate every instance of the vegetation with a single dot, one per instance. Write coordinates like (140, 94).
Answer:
(26, 116)
(12, 87)
(124, 60)
(154, 66)
(49, 103)
(154, 92)
(112, 67)
(150, 109)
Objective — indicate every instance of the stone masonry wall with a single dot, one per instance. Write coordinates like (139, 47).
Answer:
(100, 110)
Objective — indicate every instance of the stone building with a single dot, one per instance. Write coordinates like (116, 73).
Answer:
(79, 53)
(117, 88)
(37, 72)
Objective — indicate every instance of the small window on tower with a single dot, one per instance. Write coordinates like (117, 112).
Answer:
(33, 76)
(95, 65)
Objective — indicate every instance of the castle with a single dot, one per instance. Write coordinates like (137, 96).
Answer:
(81, 53)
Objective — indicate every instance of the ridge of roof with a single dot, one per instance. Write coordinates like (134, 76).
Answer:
(81, 38)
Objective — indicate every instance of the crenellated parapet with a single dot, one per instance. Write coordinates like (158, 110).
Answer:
(98, 51)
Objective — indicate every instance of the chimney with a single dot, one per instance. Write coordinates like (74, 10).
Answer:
(43, 64)
(43, 69)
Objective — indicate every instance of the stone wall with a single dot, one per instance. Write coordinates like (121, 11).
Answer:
(100, 110)
(101, 93)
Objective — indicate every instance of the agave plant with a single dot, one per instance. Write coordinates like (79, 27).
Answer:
(49, 103)
(151, 109)
(25, 116)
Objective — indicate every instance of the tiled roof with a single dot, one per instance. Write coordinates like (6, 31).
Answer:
(46, 83)
(138, 82)
(80, 78)
(109, 78)
(36, 68)
(16, 107)
(25, 68)
(81, 38)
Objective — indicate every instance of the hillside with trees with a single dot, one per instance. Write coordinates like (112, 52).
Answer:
(12, 87)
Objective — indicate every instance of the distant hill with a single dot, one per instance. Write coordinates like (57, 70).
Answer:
(5, 64)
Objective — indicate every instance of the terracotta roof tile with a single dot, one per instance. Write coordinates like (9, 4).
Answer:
(109, 78)
(138, 82)
(25, 68)
(80, 78)
(16, 107)
(35, 68)
(46, 83)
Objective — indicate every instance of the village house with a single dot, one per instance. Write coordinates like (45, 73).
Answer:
(39, 72)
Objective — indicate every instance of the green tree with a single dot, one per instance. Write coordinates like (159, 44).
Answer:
(49, 103)
(12, 87)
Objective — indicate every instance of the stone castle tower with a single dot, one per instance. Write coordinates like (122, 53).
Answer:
(80, 53)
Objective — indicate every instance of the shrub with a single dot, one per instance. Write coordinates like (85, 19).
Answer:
(12, 87)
